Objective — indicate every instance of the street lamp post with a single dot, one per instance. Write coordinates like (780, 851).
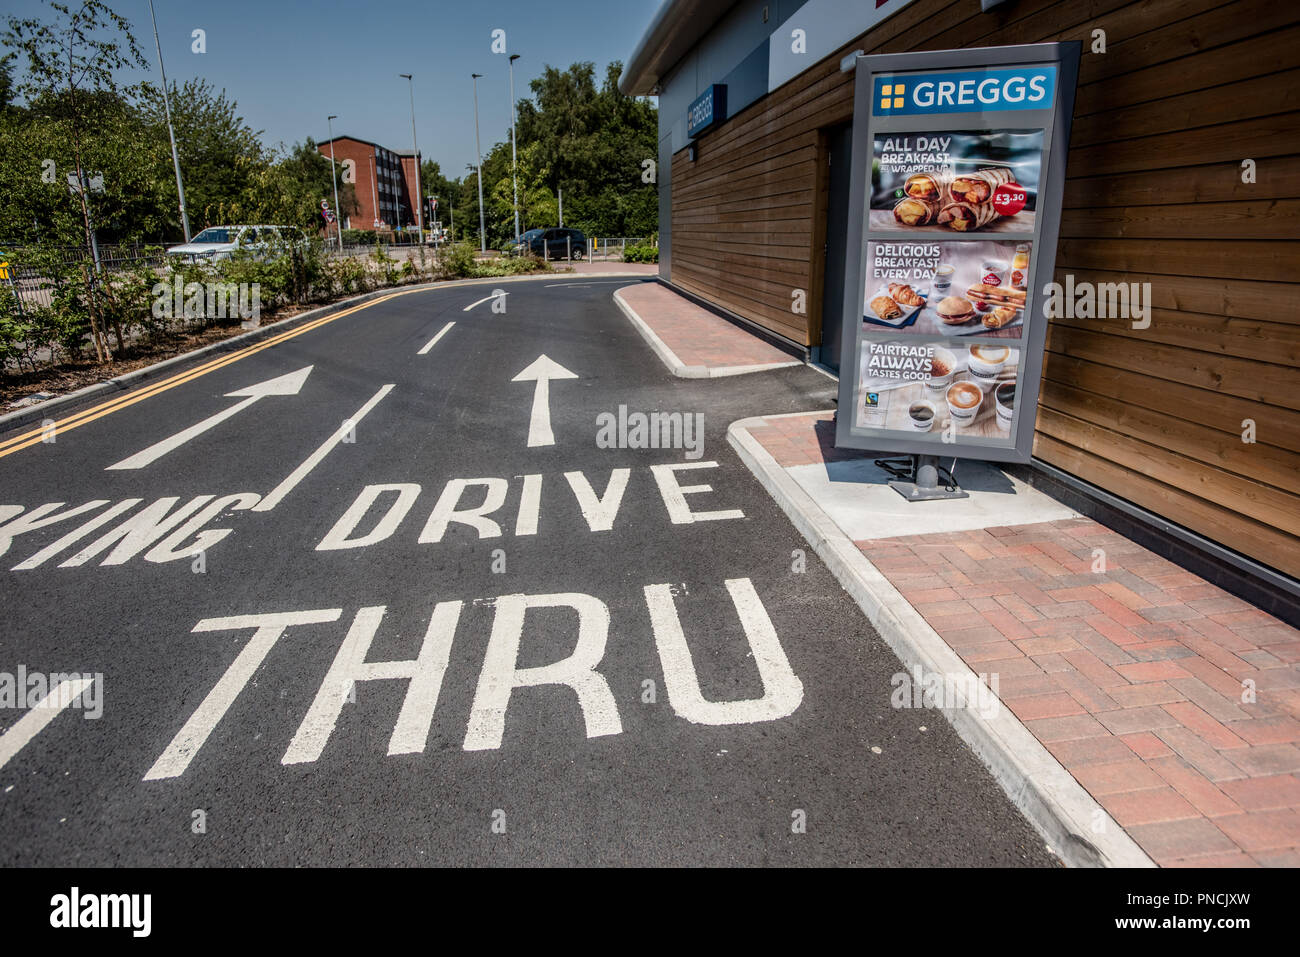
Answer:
(482, 232)
(171, 133)
(419, 202)
(374, 189)
(514, 175)
(338, 212)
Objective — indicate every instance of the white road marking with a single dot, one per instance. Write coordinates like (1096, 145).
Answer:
(77, 533)
(176, 547)
(782, 689)
(501, 674)
(178, 755)
(290, 384)
(350, 667)
(434, 341)
(45, 711)
(445, 511)
(530, 505)
(483, 300)
(674, 495)
(542, 371)
(289, 484)
(139, 532)
(17, 523)
(337, 537)
(599, 512)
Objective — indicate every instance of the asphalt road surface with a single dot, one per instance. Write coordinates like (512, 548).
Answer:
(600, 655)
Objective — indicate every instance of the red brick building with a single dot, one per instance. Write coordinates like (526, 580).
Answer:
(386, 182)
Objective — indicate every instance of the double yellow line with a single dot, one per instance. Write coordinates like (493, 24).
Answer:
(34, 437)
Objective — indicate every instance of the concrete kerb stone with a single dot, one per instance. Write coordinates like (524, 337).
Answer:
(1072, 823)
(41, 410)
(681, 369)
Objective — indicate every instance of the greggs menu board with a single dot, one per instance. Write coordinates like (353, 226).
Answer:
(956, 189)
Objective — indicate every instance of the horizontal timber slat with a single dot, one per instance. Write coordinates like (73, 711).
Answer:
(1275, 426)
(1217, 522)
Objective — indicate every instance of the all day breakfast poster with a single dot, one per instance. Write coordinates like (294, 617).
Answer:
(955, 182)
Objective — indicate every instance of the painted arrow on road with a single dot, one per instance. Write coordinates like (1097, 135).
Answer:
(289, 384)
(542, 372)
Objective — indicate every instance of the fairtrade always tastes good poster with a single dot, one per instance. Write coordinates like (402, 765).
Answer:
(956, 182)
(927, 389)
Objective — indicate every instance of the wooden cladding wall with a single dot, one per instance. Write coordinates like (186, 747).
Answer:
(1186, 91)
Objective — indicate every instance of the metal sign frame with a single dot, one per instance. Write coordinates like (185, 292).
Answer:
(1054, 120)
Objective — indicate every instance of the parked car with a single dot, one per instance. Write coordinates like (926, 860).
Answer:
(221, 242)
(554, 243)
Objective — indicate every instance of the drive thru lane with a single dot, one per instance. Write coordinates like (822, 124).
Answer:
(595, 654)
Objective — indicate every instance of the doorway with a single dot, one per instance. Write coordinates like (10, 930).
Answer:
(839, 146)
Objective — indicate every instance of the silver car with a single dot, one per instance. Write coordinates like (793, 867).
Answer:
(221, 242)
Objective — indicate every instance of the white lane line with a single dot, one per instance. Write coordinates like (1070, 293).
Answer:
(45, 711)
(434, 341)
(483, 300)
(313, 460)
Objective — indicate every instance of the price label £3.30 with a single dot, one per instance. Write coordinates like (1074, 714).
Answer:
(1009, 198)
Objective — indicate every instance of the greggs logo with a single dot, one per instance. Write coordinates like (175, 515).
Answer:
(970, 91)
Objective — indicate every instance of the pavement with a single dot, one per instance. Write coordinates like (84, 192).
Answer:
(693, 342)
(1170, 702)
(1145, 715)
(405, 582)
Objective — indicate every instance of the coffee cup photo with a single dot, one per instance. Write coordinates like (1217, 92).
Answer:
(1004, 399)
(943, 366)
(986, 362)
(964, 399)
(922, 414)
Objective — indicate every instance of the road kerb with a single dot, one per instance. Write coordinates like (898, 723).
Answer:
(1073, 824)
(681, 369)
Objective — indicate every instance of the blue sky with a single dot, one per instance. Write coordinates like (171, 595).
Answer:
(290, 63)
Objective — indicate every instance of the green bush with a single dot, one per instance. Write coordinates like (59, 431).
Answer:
(644, 253)
(137, 303)
(460, 261)
(345, 276)
(513, 266)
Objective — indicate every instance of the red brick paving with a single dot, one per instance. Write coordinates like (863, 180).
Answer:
(696, 336)
(1134, 677)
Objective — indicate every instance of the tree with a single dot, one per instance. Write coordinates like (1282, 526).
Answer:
(6, 81)
(447, 191)
(71, 63)
(219, 153)
(590, 143)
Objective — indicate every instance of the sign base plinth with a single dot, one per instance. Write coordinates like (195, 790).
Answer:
(925, 486)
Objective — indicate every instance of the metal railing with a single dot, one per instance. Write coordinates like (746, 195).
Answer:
(612, 248)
